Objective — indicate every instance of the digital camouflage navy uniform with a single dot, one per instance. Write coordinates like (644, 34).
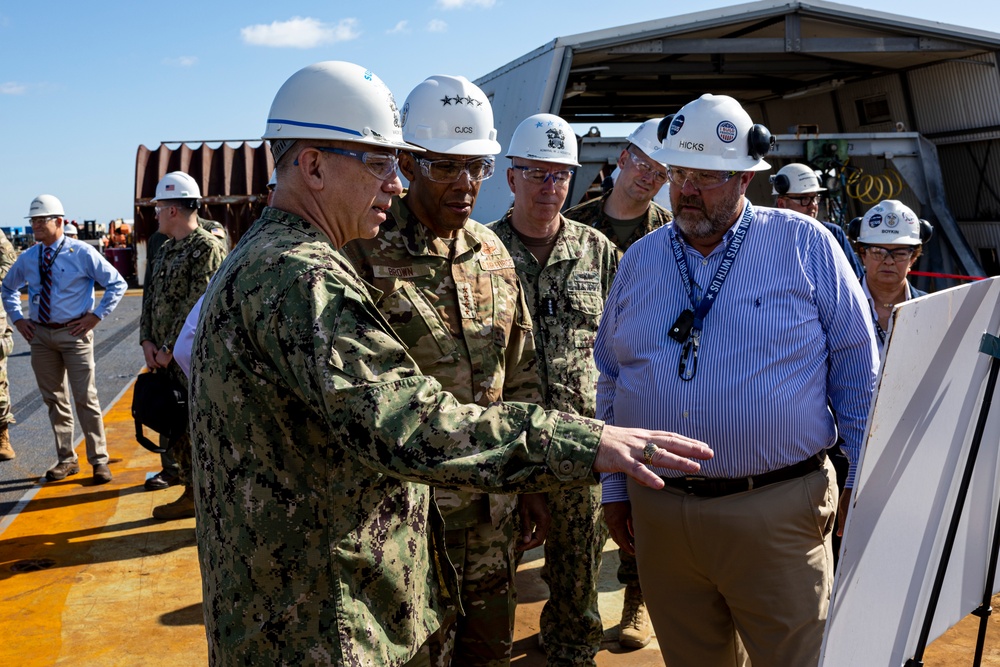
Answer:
(591, 213)
(153, 245)
(7, 258)
(458, 307)
(180, 275)
(566, 299)
(315, 437)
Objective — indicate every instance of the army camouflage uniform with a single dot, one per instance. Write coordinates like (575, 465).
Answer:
(7, 258)
(566, 299)
(314, 439)
(181, 271)
(591, 213)
(459, 308)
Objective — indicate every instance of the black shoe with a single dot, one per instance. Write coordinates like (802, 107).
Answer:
(162, 480)
(61, 470)
(102, 474)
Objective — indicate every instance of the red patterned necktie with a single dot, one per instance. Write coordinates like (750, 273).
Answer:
(44, 301)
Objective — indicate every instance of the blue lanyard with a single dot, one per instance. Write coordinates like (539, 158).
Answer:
(688, 364)
(702, 307)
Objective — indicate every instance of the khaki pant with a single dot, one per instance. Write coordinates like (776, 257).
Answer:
(757, 563)
(56, 354)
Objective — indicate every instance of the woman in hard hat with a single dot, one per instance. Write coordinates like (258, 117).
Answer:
(889, 239)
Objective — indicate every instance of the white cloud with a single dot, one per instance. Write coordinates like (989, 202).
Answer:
(12, 88)
(437, 25)
(182, 61)
(462, 4)
(300, 33)
(399, 28)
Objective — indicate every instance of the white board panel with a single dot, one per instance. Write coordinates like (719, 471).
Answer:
(920, 429)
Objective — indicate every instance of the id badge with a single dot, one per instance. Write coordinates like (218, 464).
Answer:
(680, 330)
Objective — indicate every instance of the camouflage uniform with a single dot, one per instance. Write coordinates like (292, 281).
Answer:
(566, 299)
(153, 245)
(315, 437)
(7, 257)
(180, 275)
(459, 309)
(591, 213)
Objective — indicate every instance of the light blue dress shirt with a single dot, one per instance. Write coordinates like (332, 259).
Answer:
(789, 335)
(75, 270)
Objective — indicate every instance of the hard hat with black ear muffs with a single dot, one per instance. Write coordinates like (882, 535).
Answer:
(795, 179)
(890, 222)
(715, 133)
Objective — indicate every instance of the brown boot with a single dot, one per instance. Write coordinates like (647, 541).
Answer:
(635, 630)
(182, 508)
(6, 451)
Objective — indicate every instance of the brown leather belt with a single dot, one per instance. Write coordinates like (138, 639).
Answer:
(52, 325)
(714, 487)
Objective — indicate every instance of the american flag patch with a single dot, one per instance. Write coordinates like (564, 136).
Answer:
(170, 186)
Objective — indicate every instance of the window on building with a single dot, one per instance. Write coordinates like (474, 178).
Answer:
(873, 110)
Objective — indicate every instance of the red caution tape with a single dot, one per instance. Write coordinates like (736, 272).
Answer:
(945, 275)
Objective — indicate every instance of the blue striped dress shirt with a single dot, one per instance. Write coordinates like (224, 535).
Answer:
(789, 335)
(75, 270)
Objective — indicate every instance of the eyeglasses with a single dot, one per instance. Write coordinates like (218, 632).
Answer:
(449, 171)
(701, 180)
(647, 170)
(897, 254)
(537, 175)
(804, 200)
(381, 165)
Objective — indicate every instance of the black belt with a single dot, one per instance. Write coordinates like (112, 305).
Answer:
(52, 325)
(713, 487)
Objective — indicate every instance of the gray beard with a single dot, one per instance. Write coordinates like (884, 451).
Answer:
(705, 226)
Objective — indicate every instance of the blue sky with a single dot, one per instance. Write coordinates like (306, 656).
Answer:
(82, 85)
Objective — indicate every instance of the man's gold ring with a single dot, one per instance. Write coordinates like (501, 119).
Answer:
(648, 451)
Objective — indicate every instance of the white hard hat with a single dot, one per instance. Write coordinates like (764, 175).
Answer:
(70, 229)
(795, 179)
(714, 132)
(450, 114)
(544, 137)
(335, 100)
(44, 206)
(644, 136)
(177, 185)
(890, 221)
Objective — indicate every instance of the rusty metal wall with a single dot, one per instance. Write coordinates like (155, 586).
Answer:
(233, 181)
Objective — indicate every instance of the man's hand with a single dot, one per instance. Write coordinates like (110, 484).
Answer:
(621, 450)
(149, 351)
(163, 358)
(81, 325)
(26, 327)
(535, 520)
(845, 504)
(618, 516)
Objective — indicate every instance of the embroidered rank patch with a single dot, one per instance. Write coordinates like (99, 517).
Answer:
(466, 300)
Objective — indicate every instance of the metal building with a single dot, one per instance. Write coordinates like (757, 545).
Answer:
(883, 93)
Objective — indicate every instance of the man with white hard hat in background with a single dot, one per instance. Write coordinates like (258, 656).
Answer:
(796, 187)
(181, 271)
(566, 269)
(316, 435)
(450, 291)
(627, 212)
(744, 327)
(60, 274)
(70, 230)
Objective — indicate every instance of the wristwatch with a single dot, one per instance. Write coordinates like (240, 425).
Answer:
(165, 349)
